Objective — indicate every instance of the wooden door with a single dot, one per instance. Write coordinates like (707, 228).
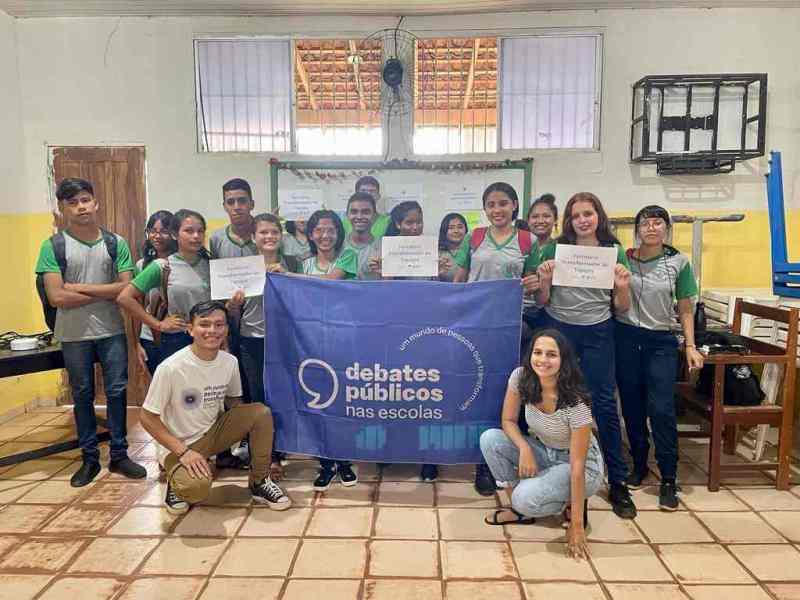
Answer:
(117, 175)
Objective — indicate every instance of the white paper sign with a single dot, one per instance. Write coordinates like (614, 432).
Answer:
(299, 205)
(405, 193)
(464, 196)
(585, 266)
(231, 274)
(410, 256)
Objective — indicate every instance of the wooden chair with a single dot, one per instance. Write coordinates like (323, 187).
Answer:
(726, 419)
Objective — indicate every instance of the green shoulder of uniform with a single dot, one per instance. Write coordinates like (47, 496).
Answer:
(532, 261)
(149, 278)
(686, 284)
(46, 262)
(124, 260)
(380, 226)
(548, 252)
(348, 262)
(622, 259)
(463, 256)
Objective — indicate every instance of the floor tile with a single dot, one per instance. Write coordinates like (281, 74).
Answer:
(702, 563)
(258, 558)
(769, 562)
(36, 470)
(402, 589)
(47, 555)
(457, 473)
(787, 523)
(71, 468)
(144, 520)
(84, 588)
(145, 452)
(785, 591)
(627, 562)
(22, 587)
(185, 556)
(226, 494)
(668, 528)
(767, 498)
(366, 471)
(12, 490)
(120, 556)
(544, 530)
(18, 447)
(605, 526)
(360, 495)
(7, 542)
(116, 493)
(542, 561)
(651, 591)
(468, 590)
(301, 493)
(392, 558)
(163, 588)
(691, 474)
(228, 588)
(304, 589)
(697, 497)
(564, 591)
(155, 493)
(211, 521)
(331, 558)
(273, 523)
(302, 470)
(476, 560)
(468, 524)
(646, 499)
(82, 519)
(12, 432)
(728, 592)
(18, 518)
(355, 521)
(740, 527)
(401, 472)
(51, 435)
(54, 492)
(452, 495)
(399, 522)
(394, 493)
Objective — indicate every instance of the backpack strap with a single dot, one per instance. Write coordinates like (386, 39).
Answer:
(110, 241)
(525, 241)
(477, 237)
(60, 251)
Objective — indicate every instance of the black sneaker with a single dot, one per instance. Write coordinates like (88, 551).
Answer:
(84, 476)
(668, 495)
(128, 468)
(175, 504)
(270, 493)
(323, 480)
(429, 472)
(636, 479)
(347, 476)
(621, 501)
(484, 481)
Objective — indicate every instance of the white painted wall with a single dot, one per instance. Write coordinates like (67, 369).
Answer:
(11, 154)
(117, 81)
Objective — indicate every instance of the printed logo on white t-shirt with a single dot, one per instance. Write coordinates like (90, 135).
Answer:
(192, 398)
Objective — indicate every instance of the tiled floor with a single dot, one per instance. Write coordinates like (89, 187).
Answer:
(391, 537)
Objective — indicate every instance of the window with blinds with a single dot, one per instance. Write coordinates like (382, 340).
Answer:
(244, 95)
(550, 91)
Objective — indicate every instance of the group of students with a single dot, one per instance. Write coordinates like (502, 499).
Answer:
(579, 344)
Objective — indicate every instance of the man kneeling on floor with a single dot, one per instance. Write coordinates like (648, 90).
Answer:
(184, 412)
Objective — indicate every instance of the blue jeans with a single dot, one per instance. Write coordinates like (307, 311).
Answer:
(155, 355)
(172, 342)
(647, 365)
(79, 357)
(547, 492)
(594, 346)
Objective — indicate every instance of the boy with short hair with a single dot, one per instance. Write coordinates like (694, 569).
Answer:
(185, 412)
(380, 223)
(82, 281)
(236, 238)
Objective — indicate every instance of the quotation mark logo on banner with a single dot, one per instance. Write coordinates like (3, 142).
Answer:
(316, 396)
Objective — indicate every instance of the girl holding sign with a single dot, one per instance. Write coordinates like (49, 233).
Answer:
(647, 351)
(557, 468)
(500, 251)
(583, 315)
(452, 232)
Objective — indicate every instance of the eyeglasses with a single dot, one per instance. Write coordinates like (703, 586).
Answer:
(159, 232)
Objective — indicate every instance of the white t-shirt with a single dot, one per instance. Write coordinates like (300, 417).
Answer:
(189, 393)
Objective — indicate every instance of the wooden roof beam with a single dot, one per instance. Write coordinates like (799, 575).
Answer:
(357, 73)
(301, 72)
(471, 76)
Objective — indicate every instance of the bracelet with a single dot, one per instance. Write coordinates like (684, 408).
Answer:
(690, 346)
(180, 456)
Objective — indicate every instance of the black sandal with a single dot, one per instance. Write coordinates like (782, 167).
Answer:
(567, 519)
(520, 520)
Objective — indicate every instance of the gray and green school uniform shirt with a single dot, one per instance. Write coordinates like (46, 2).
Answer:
(149, 299)
(451, 272)
(188, 283)
(354, 259)
(291, 246)
(251, 323)
(577, 305)
(655, 283)
(492, 261)
(311, 267)
(87, 262)
(222, 245)
(378, 228)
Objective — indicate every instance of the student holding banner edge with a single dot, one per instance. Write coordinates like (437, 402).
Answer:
(452, 232)
(500, 251)
(583, 315)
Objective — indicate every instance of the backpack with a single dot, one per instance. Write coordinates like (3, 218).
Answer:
(60, 252)
(742, 387)
(525, 239)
